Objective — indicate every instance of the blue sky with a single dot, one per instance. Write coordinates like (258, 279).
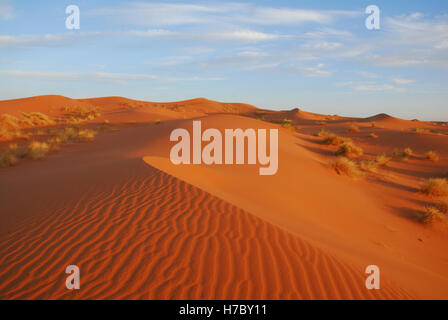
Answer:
(274, 54)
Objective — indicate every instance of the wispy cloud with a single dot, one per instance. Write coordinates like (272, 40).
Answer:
(69, 39)
(401, 81)
(99, 76)
(173, 14)
(6, 10)
(369, 86)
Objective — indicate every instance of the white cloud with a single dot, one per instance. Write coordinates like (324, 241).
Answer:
(322, 46)
(48, 40)
(369, 86)
(98, 76)
(6, 11)
(401, 81)
(69, 39)
(244, 35)
(172, 14)
(313, 71)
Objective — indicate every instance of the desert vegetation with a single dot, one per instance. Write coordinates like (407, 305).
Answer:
(78, 114)
(435, 187)
(433, 156)
(431, 215)
(347, 167)
(353, 128)
(349, 149)
(38, 149)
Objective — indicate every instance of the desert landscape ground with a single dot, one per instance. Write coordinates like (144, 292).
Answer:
(89, 182)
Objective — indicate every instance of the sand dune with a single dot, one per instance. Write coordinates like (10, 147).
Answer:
(153, 236)
(142, 228)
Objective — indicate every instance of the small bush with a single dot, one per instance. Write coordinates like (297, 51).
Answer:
(431, 215)
(408, 152)
(286, 123)
(68, 134)
(8, 158)
(442, 206)
(349, 149)
(38, 150)
(353, 129)
(369, 165)
(431, 155)
(324, 133)
(8, 121)
(344, 166)
(435, 187)
(86, 135)
(331, 138)
(36, 119)
(382, 159)
(158, 122)
(421, 130)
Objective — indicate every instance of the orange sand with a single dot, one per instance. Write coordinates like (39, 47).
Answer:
(141, 228)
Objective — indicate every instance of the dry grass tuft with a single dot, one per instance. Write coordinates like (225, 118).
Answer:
(38, 150)
(421, 130)
(86, 134)
(77, 114)
(432, 215)
(442, 205)
(382, 159)
(32, 119)
(353, 129)
(369, 166)
(344, 166)
(433, 156)
(349, 149)
(435, 187)
(408, 152)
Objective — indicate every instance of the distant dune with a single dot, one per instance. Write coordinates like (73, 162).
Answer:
(140, 227)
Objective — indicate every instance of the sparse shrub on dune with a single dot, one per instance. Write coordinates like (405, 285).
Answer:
(10, 128)
(442, 205)
(432, 215)
(402, 155)
(421, 130)
(68, 134)
(383, 159)
(374, 136)
(288, 124)
(331, 138)
(158, 122)
(324, 133)
(38, 150)
(86, 134)
(8, 121)
(408, 152)
(9, 157)
(77, 114)
(72, 134)
(335, 140)
(435, 187)
(369, 166)
(344, 166)
(36, 119)
(353, 129)
(7, 134)
(54, 143)
(349, 149)
(433, 156)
